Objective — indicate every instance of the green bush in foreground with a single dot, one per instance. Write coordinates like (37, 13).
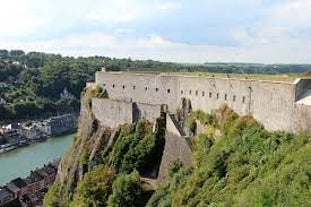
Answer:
(127, 191)
(246, 166)
(94, 189)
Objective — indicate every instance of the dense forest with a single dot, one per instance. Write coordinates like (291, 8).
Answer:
(236, 163)
(31, 83)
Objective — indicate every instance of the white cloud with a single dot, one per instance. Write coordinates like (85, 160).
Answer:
(169, 6)
(123, 11)
(295, 12)
(19, 18)
(157, 47)
(274, 37)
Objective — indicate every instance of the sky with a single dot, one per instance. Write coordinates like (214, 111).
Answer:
(191, 31)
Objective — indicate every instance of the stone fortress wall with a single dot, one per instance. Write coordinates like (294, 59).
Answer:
(112, 112)
(273, 103)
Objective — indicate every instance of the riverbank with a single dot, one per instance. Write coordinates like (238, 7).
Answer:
(19, 162)
(16, 135)
(25, 143)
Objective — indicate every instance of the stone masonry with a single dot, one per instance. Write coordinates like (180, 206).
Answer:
(278, 105)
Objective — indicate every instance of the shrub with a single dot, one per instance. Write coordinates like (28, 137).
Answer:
(94, 189)
(126, 191)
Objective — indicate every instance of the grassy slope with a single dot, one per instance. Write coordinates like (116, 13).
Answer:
(246, 166)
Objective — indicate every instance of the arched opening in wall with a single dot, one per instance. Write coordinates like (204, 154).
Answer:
(203, 93)
(113, 85)
(243, 99)
(157, 89)
(168, 90)
(217, 95)
(146, 88)
(123, 86)
(210, 94)
(196, 93)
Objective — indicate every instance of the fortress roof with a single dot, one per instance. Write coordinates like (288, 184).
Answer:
(280, 78)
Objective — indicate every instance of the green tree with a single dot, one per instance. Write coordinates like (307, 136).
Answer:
(51, 199)
(126, 191)
(94, 189)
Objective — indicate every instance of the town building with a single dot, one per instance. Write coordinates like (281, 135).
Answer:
(29, 191)
(5, 196)
(65, 95)
(32, 131)
(60, 124)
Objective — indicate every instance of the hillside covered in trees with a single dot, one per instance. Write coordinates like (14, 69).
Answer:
(31, 83)
(236, 163)
(244, 165)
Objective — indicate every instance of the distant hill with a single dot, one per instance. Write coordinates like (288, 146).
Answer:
(258, 68)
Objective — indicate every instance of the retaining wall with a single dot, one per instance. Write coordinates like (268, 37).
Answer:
(112, 112)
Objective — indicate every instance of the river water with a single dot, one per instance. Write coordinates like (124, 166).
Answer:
(19, 162)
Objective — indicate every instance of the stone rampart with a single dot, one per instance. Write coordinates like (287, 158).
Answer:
(146, 88)
(176, 148)
(146, 111)
(112, 112)
(270, 102)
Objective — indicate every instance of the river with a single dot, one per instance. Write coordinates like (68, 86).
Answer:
(19, 162)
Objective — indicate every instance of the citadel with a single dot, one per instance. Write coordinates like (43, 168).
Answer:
(278, 105)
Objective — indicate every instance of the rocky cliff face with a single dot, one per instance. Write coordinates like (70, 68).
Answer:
(133, 146)
(87, 143)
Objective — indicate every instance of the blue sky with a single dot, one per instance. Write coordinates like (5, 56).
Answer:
(267, 31)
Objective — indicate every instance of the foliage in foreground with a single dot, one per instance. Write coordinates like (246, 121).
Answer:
(246, 166)
(137, 148)
(116, 180)
(127, 191)
(94, 189)
(243, 166)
